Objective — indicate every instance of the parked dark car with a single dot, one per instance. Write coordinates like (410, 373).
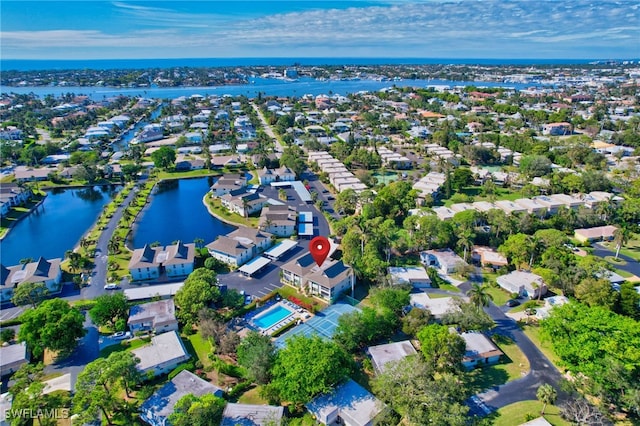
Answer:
(512, 302)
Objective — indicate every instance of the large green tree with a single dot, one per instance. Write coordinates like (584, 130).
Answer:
(199, 291)
(109, 308)
(257, 354)
(467, 317)
(441, 348)
(359, 329)
(164, 157)
(29, 294)
(53, 325)
(414, 389)
(308, 366)
(193, 410)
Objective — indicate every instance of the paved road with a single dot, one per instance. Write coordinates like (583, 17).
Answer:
(86, 351)
(99, 274)
(541, 369)
(632, 266)
(269, 131)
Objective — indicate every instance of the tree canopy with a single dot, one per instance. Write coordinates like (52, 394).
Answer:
(164, 157)
(53, 325)
(198, 292)
(193, 410)
(306, 367)
(109, 308)
(257, 354)
(441, 348)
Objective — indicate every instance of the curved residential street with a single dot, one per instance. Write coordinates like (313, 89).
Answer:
(541, 369)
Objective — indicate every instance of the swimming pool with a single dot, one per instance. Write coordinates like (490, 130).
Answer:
(272, 316)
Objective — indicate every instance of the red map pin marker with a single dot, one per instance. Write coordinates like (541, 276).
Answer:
(319, 248)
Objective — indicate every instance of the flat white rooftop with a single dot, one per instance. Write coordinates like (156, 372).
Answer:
(150, 291)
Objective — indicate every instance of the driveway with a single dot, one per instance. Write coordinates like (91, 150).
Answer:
(269, 131)
(86, 351)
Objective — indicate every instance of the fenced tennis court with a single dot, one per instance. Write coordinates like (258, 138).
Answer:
(323, 324)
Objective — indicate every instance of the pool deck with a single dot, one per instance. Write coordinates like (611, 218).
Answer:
(297, 314)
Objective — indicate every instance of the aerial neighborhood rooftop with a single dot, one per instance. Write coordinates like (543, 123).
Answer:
(158, 250)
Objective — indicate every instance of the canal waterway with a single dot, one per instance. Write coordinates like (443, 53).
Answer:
(56, 225)
(176, 212)
(265, 86)
(123, 142)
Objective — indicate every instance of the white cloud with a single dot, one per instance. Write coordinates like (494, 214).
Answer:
(489, 28)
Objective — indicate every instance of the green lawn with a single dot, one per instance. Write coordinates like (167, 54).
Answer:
(201, 347)
(125, 345)
(215, 206)
(624, 274)
(499, 296)
(511, 367)
(252, 396)
(517, 413)
(187, 174)
(449, 287)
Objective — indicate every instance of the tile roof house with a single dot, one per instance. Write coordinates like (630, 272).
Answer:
(239, 246)
(244, 203)
(165, 352)
(251, 415)
(327, 281)
(349, 404)
(158, 317)
(156, 409)
(598, 233)
(43, 271)
(228, 183)
(176, 260)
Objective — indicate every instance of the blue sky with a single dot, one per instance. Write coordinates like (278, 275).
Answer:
(540, 29)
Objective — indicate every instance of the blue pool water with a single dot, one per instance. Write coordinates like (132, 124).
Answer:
(271, 317)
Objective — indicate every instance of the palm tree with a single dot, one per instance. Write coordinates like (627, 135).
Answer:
(479, 296)
(199, 242)
(114, 245)
(465, 240)
(620, 238)
(547, 395)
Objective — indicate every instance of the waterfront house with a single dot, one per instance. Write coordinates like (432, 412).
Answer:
(244, 204)
(150, 132)
(158, 317)
(479, 350)
(524, 283)
(326, 281)
(239, 246)
(143, 264)
(43, 271)
(165, 352)
(229, 184)
(349, 404)
(175, 260)
(156, 409)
